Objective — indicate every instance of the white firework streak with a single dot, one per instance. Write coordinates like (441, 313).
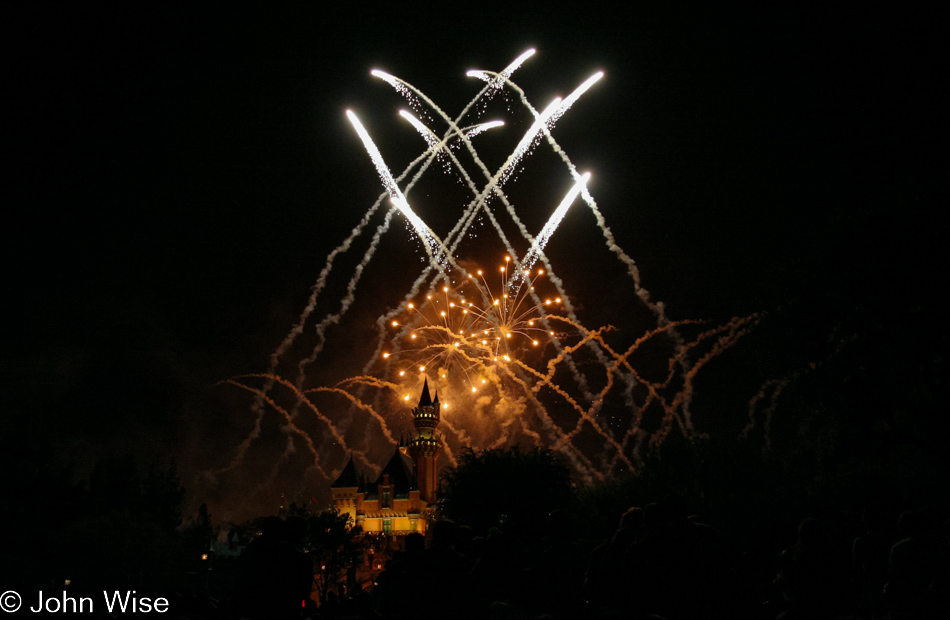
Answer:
(441, 253)
(433, 140)
(261, 396)
(496, 83)
(549, 227)
(459, 230)
(429, 240)
(573, 97)
(542, 123)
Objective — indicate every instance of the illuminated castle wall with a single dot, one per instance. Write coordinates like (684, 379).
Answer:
(396, 503)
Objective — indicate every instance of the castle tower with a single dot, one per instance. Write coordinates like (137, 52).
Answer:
(345, 490)
(425, 445)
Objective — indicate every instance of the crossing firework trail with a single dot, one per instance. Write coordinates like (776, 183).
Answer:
(496, 389)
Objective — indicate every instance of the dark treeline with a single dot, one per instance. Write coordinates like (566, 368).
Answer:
(833, 504)
(119, 527)
(702, 530)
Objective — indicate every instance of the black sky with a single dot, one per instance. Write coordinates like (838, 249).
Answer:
(175, 178)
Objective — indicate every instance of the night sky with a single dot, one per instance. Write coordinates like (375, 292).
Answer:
(175, 180)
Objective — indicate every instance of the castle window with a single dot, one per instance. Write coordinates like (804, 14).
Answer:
(387, 497)
(388, 526)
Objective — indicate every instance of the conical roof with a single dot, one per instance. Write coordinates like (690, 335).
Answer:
(399, 469)
(347, 478)
(425, 400)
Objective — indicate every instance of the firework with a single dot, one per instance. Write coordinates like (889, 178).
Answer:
(512, 363)
(455, 332)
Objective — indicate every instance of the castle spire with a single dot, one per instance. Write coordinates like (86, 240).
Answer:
(425, 400)
(426, 443)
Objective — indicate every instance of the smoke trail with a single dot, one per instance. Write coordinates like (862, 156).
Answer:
(429, 240)
(551, 225)
(289, 422)
(347, 300)
(360, 405)
(777, 386)
(573, 97)
(493, 187)
(257, 407)
(513, 414)
(656, 307)
(401, 203)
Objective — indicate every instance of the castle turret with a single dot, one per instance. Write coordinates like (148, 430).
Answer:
(346, 491)
(426, 444)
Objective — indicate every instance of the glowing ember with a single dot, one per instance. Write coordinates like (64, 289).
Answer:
(516, 365)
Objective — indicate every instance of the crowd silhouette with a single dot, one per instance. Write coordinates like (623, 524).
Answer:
(661, 562)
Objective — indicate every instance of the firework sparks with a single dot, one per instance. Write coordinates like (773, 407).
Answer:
(553, 222)
(458, 330)
(431, 242)
(505, 358)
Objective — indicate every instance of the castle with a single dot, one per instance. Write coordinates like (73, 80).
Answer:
(396, 503)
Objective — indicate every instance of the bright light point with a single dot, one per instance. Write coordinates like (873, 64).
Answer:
(545, 235)
(464, 311)
(455, 344)
(479, 272)
(445, 289)
(534, 342)
(483, 127)
(402, 373)
(385, 355)
(507, 359)
(530, 323)
(474, 389)
(413, 336)
(395, 323)
(558, 300)
(507, 258)
(507, 335)
(442, 313)
(422, 368)
(411, 306)
(406, 397)
(445, 405)
(484, 381)
(484, 342)
(502, 269)
(540, 272)
(428, 296)
(451, 304)
(552, 333)
(496, 302)
(505, 295)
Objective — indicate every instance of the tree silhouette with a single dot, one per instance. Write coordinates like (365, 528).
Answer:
(509, 488)
(336, 546)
